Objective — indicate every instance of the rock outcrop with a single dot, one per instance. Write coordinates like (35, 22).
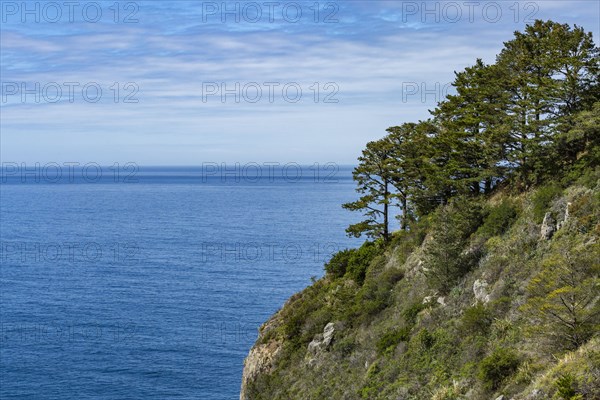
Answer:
(322, 341)
(480, 289)
(548, 227)
(262, 356)
(260, 361)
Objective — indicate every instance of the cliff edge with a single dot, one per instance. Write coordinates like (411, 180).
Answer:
(484, 299)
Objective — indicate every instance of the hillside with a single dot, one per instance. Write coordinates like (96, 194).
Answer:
(490, 286)
(502, 329)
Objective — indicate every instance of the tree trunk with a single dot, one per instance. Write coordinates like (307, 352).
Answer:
(404, 226)
(386, 197)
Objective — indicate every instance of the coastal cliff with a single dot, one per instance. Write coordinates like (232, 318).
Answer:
(520, 322)
(491, 287)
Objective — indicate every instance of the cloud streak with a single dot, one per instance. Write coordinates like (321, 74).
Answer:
(373, 53)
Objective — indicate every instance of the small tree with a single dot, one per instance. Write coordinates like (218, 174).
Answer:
(564, 296)
(446, 258)
(373, 176)
(410, 145)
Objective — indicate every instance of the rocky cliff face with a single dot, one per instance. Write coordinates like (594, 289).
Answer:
(262, 356)
(260, 361)
(394, 336)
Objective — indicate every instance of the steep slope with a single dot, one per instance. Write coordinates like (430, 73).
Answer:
(481, 299)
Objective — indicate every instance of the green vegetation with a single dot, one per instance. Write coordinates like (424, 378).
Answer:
(498, 366)
(467, 299)
(532, 115)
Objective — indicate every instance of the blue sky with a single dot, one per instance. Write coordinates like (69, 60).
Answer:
(161, 67)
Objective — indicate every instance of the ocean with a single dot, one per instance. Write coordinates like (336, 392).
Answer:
(132, 282)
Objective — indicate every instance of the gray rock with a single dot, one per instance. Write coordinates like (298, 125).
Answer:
(548, 227)
(565, 219)
(316, 344)
(328, 333)
(480, 289)
(535, 394)
(323, 340)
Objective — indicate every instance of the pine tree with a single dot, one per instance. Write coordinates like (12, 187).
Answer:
(373, 176)
(473, 126)
(549, 71)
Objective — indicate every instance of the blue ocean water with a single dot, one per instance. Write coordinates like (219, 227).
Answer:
(150, 283)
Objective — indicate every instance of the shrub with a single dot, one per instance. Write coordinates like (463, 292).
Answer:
(498, 219)
(372, 298)
(304, 316)
(391, 276)
(476, 319)
(446, 260)
(359, 261)
(584, 210)
(410, 313)
(498, 366)
(388, 342)
(425, 339)
(566, 387)
(542, 198)
(344, 346)
(338, 264)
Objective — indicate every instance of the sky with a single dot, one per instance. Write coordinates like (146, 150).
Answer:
(190, 82)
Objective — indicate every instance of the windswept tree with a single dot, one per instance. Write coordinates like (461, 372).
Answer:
(528, 117)
(564, 297)
(473, 127)
(373, 177)
(580, 146)
(550, 71)
(407, 145)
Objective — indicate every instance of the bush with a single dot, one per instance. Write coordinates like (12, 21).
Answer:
(498, 366)
(542, 198)
(425, 339)
(388, 342)
(498, 219)
(476, 320)
(391, 276)
(305, 316)
(566, 387)
(344, 346)
(410, 313)
(338, 264)
(446, 260)
(359, 261)
(374, 296)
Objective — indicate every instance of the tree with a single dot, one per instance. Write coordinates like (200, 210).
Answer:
(473, 127)
(564, 297)
(373, 176)
(550, 71)
(409, 144)
(580, 146)
(445, 260)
